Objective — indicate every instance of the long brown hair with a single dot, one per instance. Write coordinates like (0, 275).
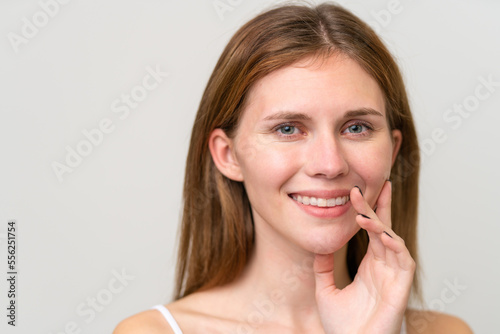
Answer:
(217, 230)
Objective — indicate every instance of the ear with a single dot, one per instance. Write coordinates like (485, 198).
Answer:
(397, 139)
(221, 148)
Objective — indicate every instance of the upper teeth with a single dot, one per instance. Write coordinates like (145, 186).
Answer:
(321, 202)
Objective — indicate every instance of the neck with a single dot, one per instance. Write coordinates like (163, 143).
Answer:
(280, 278)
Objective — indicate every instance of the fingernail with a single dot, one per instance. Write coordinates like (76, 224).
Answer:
(363, 215)
(388, 235)
(359, 190)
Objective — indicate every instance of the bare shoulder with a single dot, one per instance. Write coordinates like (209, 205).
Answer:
(150, 321)
(185, 312)
(429, 322)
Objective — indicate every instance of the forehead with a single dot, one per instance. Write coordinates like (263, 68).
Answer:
(322, 87)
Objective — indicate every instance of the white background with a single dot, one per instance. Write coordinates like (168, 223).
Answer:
(118, 210)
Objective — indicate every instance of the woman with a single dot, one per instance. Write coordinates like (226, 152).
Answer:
(290, 222)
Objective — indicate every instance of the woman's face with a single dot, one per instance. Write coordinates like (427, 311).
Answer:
(308, 135)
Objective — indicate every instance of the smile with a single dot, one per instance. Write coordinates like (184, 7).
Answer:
(321, 202)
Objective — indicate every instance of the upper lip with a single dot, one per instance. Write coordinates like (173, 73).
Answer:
(322, 193)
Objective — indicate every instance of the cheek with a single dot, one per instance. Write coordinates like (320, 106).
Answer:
(267, 164)
(372, 160)
(373, 166)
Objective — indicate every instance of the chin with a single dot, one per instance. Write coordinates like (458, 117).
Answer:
(329, 242)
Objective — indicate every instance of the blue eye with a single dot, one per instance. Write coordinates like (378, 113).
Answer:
(287, 129)
(356, 128)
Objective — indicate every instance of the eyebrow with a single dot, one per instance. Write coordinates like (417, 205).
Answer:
(288, 115)
(363, 112)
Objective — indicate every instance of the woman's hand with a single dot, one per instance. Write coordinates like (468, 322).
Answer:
(376, 300)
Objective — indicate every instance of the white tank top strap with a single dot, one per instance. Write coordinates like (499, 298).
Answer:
(170, 319)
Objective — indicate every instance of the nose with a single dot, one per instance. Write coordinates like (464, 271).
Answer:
(326, 158)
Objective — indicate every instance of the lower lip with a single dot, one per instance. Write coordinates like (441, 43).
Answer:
(324, 212)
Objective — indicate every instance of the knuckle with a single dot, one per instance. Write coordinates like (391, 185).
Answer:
(412, 264)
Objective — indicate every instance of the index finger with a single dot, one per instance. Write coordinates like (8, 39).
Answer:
(384, 204)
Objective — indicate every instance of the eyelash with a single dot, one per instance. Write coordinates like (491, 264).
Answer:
(277, 128)
(283, 125)
(360, 123)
